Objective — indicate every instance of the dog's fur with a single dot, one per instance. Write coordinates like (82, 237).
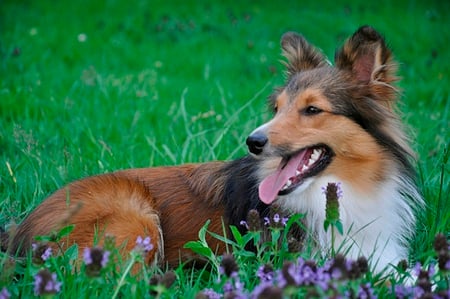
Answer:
(345, 111)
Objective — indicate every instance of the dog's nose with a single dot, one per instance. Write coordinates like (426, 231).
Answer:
(256, 142)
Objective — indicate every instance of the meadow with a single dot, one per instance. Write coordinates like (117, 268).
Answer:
(89, 87)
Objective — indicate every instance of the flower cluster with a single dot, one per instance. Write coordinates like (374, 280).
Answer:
(95, 260)
(253, 223)
(276, 221)
(423, 287)
(41, 253)
(143, 245)
(232, 287)
(323, 280)
(432, 281)
(45, 283)
(333, 192)
(305, 275)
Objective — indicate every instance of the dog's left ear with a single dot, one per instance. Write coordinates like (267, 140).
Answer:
(300, 54)
(367, 57)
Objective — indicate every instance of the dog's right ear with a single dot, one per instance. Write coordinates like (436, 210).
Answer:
(300, 54)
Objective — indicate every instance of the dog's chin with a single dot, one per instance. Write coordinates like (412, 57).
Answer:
(298, 189)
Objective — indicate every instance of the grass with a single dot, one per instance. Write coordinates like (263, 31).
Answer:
(89, 87)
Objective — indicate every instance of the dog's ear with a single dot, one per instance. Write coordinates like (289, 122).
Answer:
(370, 61)
(300, 54)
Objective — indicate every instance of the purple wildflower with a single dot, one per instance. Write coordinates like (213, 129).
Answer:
(253, 220)
(266, 290)
(233, 288)
(265, 273)
(336, 189)
(276, 218)
(423, 277)
(431, 270)
(95, 259)
(143, 245)
(45, 283)
(47, 253)
(333, 192)
(402, 291)
(417, 268)
(208, 294)
(228, 266)
(244, 223)
(277, 221)
(304, 273)
(4, 294)
(41, 253)
(228, 287)
(96, 255)
(366, 292)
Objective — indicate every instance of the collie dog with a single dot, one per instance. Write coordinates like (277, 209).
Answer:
(330, 124)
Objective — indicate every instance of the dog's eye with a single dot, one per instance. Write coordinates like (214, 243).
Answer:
(311, 110)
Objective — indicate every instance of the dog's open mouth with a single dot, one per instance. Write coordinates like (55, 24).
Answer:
(293, 170)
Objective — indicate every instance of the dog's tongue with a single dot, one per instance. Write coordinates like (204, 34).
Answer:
(271, 185)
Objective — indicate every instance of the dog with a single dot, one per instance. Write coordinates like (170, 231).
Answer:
(330, 124)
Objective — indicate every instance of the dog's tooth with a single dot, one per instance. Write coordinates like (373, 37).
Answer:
(305, 168)
(316, 154)
(288, 183)
(311, 161)
(297, 172)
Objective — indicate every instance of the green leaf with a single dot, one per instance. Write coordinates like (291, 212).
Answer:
(202, 232)
(72, 252)
(44, 238)
(326, 225)
(339, 227)
(223, 239)
(199, 248)
(65, 231)
(293, 219)
(237, 235)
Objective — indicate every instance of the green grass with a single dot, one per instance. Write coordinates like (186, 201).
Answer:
(89, 87)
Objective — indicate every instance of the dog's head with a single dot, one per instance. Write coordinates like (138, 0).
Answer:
(331, 120)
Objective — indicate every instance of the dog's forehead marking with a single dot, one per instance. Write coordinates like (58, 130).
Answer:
(328, 82)
(321, 78)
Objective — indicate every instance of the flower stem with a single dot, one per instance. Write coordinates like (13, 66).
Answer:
(122, 278)
(333, 252)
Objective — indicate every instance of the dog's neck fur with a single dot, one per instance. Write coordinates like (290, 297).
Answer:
(383, 238)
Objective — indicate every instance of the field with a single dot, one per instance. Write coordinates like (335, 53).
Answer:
(89, 87)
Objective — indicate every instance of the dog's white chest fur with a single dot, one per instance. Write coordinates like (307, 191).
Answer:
(376, 225)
